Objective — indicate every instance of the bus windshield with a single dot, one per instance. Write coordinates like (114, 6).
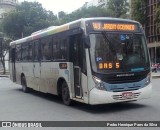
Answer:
(118, 52)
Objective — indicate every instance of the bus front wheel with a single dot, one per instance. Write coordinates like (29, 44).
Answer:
(65, 94)
(25, 89)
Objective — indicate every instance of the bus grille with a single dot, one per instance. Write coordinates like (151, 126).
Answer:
(117, 80)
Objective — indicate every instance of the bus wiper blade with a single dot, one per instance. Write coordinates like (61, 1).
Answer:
(108, 41)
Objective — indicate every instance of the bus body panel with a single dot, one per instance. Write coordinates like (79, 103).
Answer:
(85, 88)
(104, 97)
(89, 72)
(49, 73)
(44, 75)
(19, 71)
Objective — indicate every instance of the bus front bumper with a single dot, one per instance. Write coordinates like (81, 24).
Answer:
(105, 97)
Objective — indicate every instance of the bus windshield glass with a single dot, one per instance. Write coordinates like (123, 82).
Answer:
(118, 52)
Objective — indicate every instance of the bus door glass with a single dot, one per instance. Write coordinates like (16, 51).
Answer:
(75, 44)
(13, 58)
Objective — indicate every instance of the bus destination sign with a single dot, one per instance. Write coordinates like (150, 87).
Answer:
(98, 26)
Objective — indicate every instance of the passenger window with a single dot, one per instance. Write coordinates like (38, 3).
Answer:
(30, 51)
(25, 52)
(18, 52)
(36, 51)
(60, 49)
(46, 48)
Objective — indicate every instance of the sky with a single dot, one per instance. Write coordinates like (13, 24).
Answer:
(60, 5)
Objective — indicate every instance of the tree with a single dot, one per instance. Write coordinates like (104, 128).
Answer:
(61, 14)
(4, 47)
(84, 13)
(26, 19)
(138, 10)
(118, 8)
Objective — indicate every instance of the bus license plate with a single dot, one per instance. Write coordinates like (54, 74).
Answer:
(127, 95)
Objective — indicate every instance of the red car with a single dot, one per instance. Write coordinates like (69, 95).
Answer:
(155, 67)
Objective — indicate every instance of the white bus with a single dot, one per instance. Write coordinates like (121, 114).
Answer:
(91, 60)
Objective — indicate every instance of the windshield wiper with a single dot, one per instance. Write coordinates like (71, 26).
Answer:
(108, 42)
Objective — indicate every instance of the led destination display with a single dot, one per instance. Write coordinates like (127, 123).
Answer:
(113, 26)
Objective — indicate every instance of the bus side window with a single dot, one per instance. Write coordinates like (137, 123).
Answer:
(25, 51)
(46, 48)
(54, 50)
(30, 51)
(36, 50)
(59, 48)
(18, 53)
(58, 52)
(63, 49)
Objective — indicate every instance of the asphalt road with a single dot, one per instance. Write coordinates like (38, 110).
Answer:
(18, 106)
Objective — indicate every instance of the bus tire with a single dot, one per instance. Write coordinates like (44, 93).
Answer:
(65, 94)
(25, 89)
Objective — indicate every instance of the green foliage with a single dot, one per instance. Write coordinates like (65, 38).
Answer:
(31, 16)
(28, 18)
(84, 13)
(115, 8)
(61, 15)
(118, 8)
(139, 10)
(5, 47)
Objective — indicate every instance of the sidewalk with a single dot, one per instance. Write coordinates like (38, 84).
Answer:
(4, 75)
(155, 75)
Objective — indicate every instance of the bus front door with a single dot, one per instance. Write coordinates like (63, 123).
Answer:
(76, 60)
(13, 67)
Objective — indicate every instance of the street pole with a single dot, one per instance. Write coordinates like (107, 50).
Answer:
(155, 52)
(1, 41)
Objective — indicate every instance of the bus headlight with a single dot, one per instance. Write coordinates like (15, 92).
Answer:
(99, 83)
(148, 79)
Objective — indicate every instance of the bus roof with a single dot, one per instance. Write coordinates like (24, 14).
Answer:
(56, 29)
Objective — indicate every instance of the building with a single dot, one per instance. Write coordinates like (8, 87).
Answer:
(6, 6)
(152, 31)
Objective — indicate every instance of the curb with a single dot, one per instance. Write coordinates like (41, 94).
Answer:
(154, 77)
(7, 76)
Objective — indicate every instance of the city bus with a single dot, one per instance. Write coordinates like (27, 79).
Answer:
(90, 60)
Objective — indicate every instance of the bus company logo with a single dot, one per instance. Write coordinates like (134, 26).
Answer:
(6, 124)
(125, 75)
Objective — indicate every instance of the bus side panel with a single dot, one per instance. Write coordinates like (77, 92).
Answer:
(49, 74)
(10, 70)
(67, 75)
(91, 83)
(84, 88)
(18, 67)
(71, 87)
(27, 70)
